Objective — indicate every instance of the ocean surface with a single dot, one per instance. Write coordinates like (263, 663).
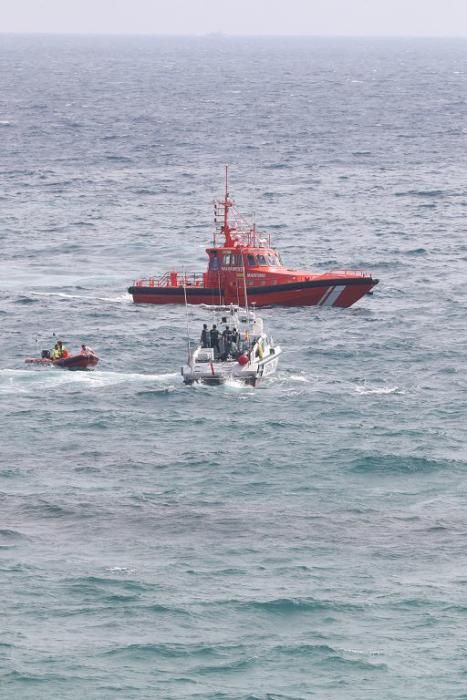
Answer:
(304, 539)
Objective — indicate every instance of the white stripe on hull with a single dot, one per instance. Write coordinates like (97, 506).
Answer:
(322, 301)
(331, 295)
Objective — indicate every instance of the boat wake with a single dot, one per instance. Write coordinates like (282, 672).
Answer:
(237, 384)
(61, 295)
(27, 380)
(124, 298)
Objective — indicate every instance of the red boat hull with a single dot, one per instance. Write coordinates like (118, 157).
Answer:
(339, 292)
(75, 362)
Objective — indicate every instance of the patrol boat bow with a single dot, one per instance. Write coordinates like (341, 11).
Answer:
(244, 252)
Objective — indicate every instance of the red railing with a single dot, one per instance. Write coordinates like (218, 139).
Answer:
(355, 273)
(173, 279)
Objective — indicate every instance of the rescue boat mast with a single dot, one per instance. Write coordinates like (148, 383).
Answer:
(242, 233)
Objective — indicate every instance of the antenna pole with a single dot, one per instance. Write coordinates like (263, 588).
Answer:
(187, 319)
(226, 200)
(227, 204)
(244, 285)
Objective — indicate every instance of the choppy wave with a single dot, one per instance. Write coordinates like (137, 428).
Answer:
(421, 193)
(401, 464)
(287, 606)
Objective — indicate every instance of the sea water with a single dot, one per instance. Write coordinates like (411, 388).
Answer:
(304, 539)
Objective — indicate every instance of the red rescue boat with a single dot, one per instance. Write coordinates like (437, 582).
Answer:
(245, 263)
(81, 361)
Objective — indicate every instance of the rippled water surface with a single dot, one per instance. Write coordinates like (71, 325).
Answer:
(305, 539)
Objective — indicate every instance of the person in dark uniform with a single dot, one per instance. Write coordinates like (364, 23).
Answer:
(235, 340)
(205, 337)
(215, 340)
(226, 342)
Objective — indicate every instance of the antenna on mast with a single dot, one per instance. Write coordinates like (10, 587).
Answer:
(227, 205)
(215, 225)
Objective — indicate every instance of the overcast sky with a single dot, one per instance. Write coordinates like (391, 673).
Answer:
(292, 17)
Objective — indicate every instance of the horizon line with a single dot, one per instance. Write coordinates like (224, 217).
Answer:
(224, 35)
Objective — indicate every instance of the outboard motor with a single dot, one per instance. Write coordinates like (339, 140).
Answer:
(45, 354)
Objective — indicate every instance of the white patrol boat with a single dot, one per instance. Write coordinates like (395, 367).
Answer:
(235, 348)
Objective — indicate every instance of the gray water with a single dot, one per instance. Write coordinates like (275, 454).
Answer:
(302, 539)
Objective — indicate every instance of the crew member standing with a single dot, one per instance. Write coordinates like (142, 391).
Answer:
(205, 337)
(215, 340)
(227, 342)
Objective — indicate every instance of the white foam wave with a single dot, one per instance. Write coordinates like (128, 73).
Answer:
(120, 569)
(118, 299)
(379, 390)
(237, 384)
(298, 378)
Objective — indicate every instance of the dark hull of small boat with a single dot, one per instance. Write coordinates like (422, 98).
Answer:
(339, 292)
(75, 362)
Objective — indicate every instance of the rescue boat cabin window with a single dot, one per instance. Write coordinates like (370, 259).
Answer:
(213, 261)
(262, 259)
(249, 260)
(232, 260)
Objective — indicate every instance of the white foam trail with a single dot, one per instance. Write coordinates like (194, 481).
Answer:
(113, 377)
(24, 380)
(117, 299)
(63, 295)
